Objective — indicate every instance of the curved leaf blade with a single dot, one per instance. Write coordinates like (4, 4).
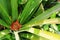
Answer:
(45, 34)
(32, 36)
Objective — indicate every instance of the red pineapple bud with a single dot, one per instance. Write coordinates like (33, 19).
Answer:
(15, 26)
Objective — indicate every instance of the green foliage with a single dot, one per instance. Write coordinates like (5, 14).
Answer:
(58, 27)
(14, 6)
(39, 19)
(4, 13)
(31, 36)
(46, 27)
(30, 6)
(34, 13)
(3, 23)
(4, 32)
(22, 1)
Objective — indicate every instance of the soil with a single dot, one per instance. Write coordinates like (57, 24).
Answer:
(2, 27)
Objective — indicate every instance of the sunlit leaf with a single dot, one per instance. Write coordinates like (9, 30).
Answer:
(32, 36)
(3, 33)
(40, 18)
(45, 34)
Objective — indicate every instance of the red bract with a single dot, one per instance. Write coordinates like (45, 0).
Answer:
(15, 26)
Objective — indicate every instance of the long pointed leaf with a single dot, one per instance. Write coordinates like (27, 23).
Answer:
(8, 6)
(14, 6)
(30, 6)
(46, 21)
(4, 13)
(3, 23)
(32, 36)
(40, 10)
(30, 16)
(45, 34)
(39, 19)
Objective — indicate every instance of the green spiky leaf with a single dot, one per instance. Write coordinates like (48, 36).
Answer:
(4, 13)
(39, 19)
(30, 6)
(3, 23)
(14, 6)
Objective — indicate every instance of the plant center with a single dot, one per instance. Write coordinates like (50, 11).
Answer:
(15, 26)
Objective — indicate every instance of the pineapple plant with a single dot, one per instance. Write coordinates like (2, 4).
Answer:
(29, 20)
